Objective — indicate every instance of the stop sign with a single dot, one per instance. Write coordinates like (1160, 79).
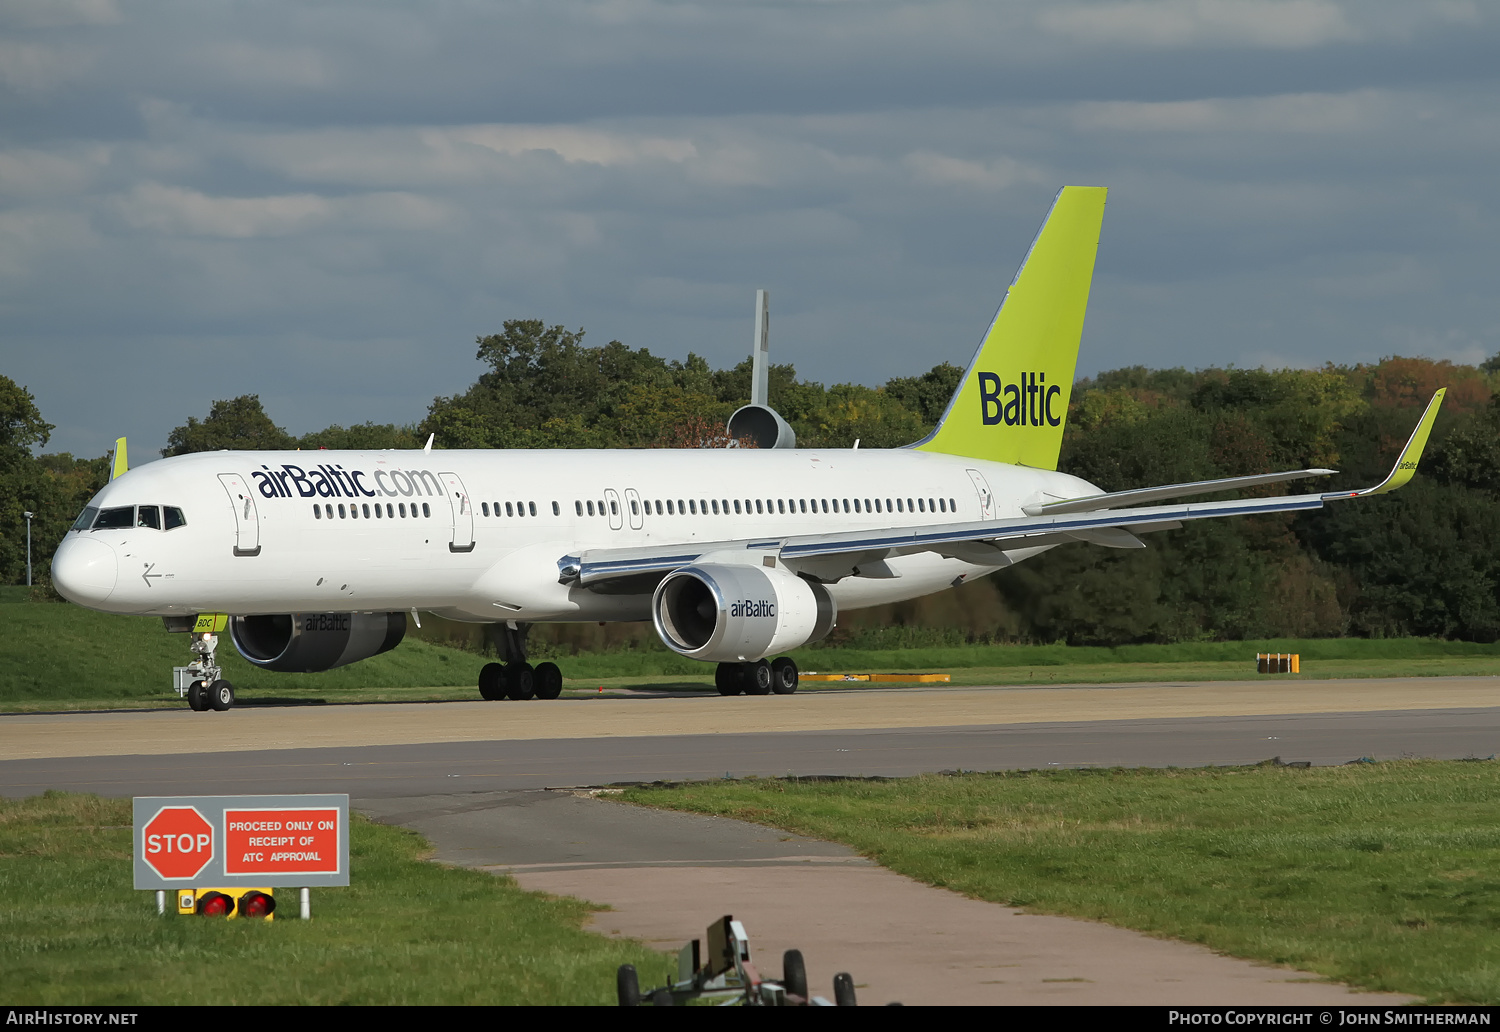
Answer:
(178, 842)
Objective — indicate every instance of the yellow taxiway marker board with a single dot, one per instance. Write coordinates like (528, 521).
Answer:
(899, 678)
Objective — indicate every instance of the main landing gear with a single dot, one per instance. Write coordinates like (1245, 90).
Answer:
(207, 691)
(516, 678)
(760, 678)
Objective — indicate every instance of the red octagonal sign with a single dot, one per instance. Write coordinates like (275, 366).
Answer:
(178, 842)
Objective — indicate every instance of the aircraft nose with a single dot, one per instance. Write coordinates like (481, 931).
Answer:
(84, 570)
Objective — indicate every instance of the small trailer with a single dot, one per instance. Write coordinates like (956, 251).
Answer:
(725, 977)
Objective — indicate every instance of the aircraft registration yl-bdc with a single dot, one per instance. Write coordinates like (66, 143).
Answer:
(736, 555)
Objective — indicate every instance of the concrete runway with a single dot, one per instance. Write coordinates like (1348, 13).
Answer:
(471, 777)
(384, 771)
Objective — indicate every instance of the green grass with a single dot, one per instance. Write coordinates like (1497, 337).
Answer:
(73, 931)
(60, 656)
(1384, 876)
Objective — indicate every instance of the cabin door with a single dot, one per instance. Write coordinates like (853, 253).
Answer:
(246, 515)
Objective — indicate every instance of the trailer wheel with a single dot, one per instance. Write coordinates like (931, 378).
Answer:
(794, 974)
(843, 990)
(628, 986)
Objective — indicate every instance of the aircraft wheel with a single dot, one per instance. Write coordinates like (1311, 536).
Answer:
(758, 678)
(727, 679)
(195, 697)
(548, 680)
(221, 695)
(520, 681)
(843, 990)
(492, 682)
(784, 676)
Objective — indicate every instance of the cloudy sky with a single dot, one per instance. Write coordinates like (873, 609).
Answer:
(325, 202)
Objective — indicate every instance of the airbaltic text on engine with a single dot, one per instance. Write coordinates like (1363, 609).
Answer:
(753, 607)
(290, 481)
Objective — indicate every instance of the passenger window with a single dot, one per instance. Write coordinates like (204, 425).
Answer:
(401, 508)
(148, 516)
(317, 512)
(736, 506)
(803, 503)
(780, 506)
(846, 505)
(578, 507)
(116, 519)
(867, 505)
(724, 507)
(520, 508)
(366, 507)
(634, 509)
(614, 509)
(952, 505)
(484, 507)
(681, 507)
(341, 510)
(591, 507)
(715, 503)
(425, 510)
(921, 505)
(556, 509)
(531, 508)
(378, 513)
(509, 510)
(692, 507)
(942, 505)
(601, 507)
(856, 505)
(931, 505)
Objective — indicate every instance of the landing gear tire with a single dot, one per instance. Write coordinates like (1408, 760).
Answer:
(195, 697)
(492, 682)
(757, 678)
(221, 696)
(520, 682)
(548, 680)
(727, 679)
(784, 676)
(843, 990)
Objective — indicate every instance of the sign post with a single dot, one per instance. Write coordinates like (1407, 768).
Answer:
(244, 842)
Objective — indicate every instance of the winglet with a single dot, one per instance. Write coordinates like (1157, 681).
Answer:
(121, 465)
(1406, 465)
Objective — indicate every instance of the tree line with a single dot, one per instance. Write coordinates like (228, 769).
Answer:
(1421, 561)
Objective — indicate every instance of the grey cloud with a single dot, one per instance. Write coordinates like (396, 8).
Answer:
(326, 204)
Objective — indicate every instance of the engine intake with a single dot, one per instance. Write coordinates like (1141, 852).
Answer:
(729, 614)
(307, 642)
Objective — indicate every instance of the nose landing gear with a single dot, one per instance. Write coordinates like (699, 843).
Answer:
(208, 690)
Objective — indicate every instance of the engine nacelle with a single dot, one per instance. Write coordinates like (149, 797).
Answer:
(730, 614)
(763, 426)
(306, 642)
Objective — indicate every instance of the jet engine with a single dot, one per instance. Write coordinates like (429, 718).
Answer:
(730, 614)
(307, 642)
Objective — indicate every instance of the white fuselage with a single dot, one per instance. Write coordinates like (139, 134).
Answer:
(478, 535)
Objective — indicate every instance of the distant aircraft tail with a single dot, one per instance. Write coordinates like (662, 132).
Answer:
(1013, 400)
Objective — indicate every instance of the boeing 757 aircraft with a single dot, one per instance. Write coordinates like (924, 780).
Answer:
(736, 555)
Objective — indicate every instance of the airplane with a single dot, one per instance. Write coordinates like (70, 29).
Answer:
(313, 560)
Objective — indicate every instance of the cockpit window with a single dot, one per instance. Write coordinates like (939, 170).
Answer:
(85, 519)
(175, 518)
(148, 516)
(111, 519)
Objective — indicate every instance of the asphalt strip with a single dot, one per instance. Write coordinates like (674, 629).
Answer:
(164, 732)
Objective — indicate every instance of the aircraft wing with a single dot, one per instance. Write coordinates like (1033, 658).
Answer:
(833, 556)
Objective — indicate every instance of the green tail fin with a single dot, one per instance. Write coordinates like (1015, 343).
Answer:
(1013, 400)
